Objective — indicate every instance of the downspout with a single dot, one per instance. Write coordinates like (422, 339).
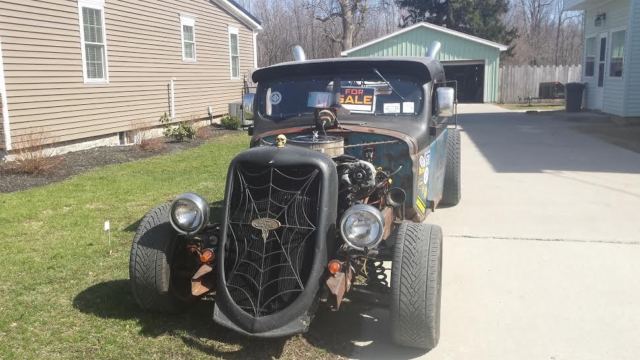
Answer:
(6, 129)
(255, 49)
(172, 99)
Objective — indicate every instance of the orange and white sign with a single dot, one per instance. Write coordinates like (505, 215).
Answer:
(357, 99)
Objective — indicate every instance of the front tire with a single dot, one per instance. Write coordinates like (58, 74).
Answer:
(154, 254)
(416, 283)
(452, 189)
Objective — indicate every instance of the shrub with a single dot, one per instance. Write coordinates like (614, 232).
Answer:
(230, 122)
(34, 157)
(152, 144)
(204, 133)
(178, 132)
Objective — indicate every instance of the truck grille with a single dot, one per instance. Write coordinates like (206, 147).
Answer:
(273, 214)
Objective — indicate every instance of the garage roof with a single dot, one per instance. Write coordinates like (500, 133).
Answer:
(430, 26)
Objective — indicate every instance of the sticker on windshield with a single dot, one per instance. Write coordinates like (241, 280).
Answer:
(408, 107)
(319, 99)
(391, 108)
(358, 100)
(276, 98)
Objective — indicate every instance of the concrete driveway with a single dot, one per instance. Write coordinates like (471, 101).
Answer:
(542, 256)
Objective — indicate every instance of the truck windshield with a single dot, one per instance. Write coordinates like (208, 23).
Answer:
(360, 95)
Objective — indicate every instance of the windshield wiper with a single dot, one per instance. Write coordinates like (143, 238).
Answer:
(388, 83)
(359, 123)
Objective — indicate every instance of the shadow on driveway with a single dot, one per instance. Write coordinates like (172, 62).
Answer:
(520, 143)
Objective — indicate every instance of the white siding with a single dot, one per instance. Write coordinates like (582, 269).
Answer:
(613, 92)
(632, 63)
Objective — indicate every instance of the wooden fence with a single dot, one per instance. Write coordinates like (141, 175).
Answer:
(519, 82)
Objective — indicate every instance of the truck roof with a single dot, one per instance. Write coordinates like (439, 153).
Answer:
(425, 69)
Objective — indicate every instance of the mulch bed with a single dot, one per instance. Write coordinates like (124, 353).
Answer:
(80, 161)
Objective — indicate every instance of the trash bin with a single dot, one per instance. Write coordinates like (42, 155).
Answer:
(574, 93)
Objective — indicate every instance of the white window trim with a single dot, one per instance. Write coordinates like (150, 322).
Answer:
(234, 30)
(609, 52)
(595, 55)
(188, 20)
(98, 5)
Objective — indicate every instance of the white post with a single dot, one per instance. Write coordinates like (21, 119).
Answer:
(172, 99)
(6, 129)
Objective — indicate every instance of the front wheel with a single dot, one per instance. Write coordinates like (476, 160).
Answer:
(155, 265)
(416, 282)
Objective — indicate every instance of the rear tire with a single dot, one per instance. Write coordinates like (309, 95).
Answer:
(452, 190)
(153, 254)
(416, 283)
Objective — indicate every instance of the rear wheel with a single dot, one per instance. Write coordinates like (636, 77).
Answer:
(416, 282)
(159, 280)
(452, 191)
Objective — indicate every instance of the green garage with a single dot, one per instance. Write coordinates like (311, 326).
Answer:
(471, 61)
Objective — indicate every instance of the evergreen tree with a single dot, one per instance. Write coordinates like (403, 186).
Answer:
(482, 18)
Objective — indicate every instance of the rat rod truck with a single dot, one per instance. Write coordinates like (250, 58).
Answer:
(348, 157)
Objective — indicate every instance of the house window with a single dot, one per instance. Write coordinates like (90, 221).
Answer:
(234, 53)
(590, 57)
(94, 44)
(616, 62)
(188, 24)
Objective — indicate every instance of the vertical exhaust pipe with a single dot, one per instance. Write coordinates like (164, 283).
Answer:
(298, 53)
(434, 49)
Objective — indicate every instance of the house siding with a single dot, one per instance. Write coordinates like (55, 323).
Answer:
(417, 41)
(632, 65)
(44, 76)
(613, 91)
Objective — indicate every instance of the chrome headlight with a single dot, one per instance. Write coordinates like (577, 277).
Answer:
(189, 214)
(362, 227)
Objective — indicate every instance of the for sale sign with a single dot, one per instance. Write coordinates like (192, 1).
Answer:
(357, 99)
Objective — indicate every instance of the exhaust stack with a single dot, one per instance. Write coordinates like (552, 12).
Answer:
(298, 53)
(434, 49)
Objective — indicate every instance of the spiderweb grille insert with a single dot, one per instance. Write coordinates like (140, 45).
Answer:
(266, 270)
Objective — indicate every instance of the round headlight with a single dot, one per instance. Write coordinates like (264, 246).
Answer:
(362, 227)
(189, 213)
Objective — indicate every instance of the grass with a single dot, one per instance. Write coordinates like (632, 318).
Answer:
(64, 291)
(533, 107)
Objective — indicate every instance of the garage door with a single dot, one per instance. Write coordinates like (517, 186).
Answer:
(469, 76)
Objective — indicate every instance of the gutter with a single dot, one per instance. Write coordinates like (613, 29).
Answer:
(6, 129)
(237, 11)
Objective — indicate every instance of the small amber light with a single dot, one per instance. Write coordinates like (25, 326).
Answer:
(207, 256)
(334, 266)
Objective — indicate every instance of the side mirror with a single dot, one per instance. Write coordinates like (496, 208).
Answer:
(247, 106)
(445, 101)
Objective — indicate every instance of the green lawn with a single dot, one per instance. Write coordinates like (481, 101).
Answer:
(64, 292)
(534, 107)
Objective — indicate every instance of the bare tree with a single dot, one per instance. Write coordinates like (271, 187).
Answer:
(548, 34)
(563, 35)
(317, 26)
(347, 17)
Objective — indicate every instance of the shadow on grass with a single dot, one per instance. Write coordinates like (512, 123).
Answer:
(113, 300)
(334, 332)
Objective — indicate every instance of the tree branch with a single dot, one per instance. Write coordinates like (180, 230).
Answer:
(328, 17)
